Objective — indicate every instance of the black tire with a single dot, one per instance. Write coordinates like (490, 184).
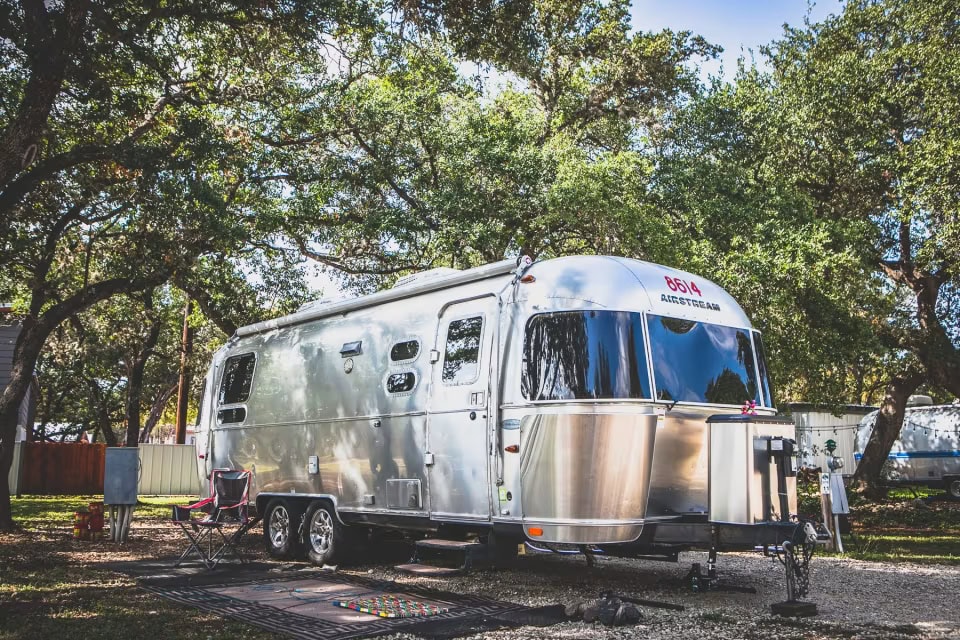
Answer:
(324, 536)
(281, 529)
(952, 485)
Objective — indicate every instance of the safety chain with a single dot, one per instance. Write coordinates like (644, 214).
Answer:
(795, 557)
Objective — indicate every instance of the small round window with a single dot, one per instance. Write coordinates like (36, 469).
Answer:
(401, 382)
(405, 351)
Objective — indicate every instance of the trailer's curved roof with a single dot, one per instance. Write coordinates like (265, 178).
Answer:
(314, 312)
(627, 284)
(611, 282)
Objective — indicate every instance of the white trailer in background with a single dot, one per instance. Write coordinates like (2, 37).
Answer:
(928, 450)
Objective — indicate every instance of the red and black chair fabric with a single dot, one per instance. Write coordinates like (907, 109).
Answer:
(227, 506)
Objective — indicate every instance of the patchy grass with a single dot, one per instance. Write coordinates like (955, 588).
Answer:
(919, 548)
(52, 586)
(913, 524)
(37, 512)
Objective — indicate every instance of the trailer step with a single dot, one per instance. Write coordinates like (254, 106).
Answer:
(448, 545)
(427, 570)
(438, 551)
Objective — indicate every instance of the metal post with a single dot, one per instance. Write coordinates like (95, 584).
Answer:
(826, 505)
(836, 533)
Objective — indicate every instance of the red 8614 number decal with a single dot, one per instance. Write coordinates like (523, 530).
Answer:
(682, 286)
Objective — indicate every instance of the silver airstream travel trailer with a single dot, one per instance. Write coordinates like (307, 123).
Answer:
(585, 400)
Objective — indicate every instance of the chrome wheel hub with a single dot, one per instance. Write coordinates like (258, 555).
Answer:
(321, 531)
(279, 527)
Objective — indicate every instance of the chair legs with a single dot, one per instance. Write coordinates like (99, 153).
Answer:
(207, 548)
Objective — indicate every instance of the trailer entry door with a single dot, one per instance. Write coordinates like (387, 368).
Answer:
(457, 433)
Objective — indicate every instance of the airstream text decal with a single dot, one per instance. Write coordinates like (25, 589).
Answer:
(689, 302)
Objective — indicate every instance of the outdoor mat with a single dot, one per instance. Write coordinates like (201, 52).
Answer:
(391, 606)
(301, 605)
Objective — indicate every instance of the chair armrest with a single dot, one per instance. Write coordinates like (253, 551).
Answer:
(181, 514)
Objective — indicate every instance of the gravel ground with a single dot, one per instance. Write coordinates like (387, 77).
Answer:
(856, 599)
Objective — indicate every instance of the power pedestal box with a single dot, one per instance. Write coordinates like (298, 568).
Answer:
(121, 474)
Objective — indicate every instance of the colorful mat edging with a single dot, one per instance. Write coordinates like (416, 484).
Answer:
(391, 606)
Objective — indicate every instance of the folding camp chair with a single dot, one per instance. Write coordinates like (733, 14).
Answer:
(227, 506)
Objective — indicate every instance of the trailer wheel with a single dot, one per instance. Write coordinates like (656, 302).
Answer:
(324, 535)
(953, 487)
(281, 528)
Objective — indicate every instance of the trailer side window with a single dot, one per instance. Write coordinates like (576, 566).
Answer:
(460, 362)
(584, 355)
(405, 351)
(237, 378)
(401, 382)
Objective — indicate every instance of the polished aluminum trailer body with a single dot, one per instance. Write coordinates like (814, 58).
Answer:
(549, 400)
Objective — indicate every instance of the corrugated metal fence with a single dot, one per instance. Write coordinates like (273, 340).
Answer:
(168, 470)
(75, 468)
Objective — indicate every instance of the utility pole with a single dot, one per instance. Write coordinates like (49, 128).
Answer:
(186, 347)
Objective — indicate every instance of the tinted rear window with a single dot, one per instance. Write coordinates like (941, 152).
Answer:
(701, 362)
(580, 355)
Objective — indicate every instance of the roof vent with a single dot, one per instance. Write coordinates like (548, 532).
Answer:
(919, 401)
(430, 275)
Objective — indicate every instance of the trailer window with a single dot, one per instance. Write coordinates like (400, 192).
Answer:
(463, 351)
(405, 351)
(584, 355)
(701, 362)
(401, 382)
(231, 416)
(765, 385)
(237, 378)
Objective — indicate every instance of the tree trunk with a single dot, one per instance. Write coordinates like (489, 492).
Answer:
(33, 334)
(934, 348)
(25, 355)
(49, 54)
(135, 377)
(156, 411)
(886, 430)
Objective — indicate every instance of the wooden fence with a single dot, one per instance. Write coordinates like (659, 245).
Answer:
(62, 468)
(53, 468)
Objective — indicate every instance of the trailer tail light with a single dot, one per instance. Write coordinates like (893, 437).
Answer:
(535, 531)
(201, 456)
(513, 448)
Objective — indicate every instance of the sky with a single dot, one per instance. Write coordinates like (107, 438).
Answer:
(735, 25)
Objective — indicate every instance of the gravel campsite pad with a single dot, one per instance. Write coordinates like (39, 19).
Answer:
(856, 599)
